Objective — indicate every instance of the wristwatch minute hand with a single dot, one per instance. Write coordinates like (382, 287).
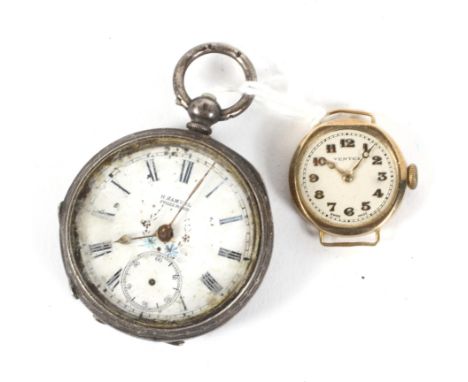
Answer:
(364, 155)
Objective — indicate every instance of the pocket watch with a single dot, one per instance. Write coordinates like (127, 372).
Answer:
(166, 233)
(348, 176)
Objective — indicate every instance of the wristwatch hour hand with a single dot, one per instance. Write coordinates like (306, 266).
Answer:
(344, 174)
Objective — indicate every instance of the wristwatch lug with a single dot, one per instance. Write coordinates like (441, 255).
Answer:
(322, 235)
(359, 113)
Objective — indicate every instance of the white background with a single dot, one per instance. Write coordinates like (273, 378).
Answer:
(75, 76)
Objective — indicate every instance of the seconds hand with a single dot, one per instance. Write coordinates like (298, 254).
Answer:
(165, 231)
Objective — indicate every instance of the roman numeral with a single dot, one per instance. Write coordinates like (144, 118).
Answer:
(229, 254)
(114, 280)
(100, 249)
(230, 220)
(152, 174)
(211, 283)
(103, 214)
(119, 186)
(186, 171)
(183, 302)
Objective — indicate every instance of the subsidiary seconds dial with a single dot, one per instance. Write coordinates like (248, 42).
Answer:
(151, 282)
(348, 177)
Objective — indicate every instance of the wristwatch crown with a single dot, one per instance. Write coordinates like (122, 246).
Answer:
(412, 176)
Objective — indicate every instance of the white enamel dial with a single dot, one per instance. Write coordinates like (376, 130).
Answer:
(151, 282)
(209, 256)
(347, 177)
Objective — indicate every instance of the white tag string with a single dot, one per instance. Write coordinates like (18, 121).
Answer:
(273, 94)
(284, 103)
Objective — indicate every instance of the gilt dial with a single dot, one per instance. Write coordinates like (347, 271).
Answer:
(347, 177)
(166, 233)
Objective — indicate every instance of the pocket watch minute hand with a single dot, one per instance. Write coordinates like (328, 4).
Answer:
(165, 232)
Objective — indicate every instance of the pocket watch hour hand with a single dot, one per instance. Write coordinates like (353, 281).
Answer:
(127, 239)
(165, 231)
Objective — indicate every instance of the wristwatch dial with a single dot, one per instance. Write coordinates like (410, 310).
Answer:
(347, 177)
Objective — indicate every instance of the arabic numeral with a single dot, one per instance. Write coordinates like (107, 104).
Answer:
(378, 193)
(319, 194)
(331, 148)
(376, 160)
(382, 176)
(349, 211)
(319, 161)
(347, 142)
(313, 178)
